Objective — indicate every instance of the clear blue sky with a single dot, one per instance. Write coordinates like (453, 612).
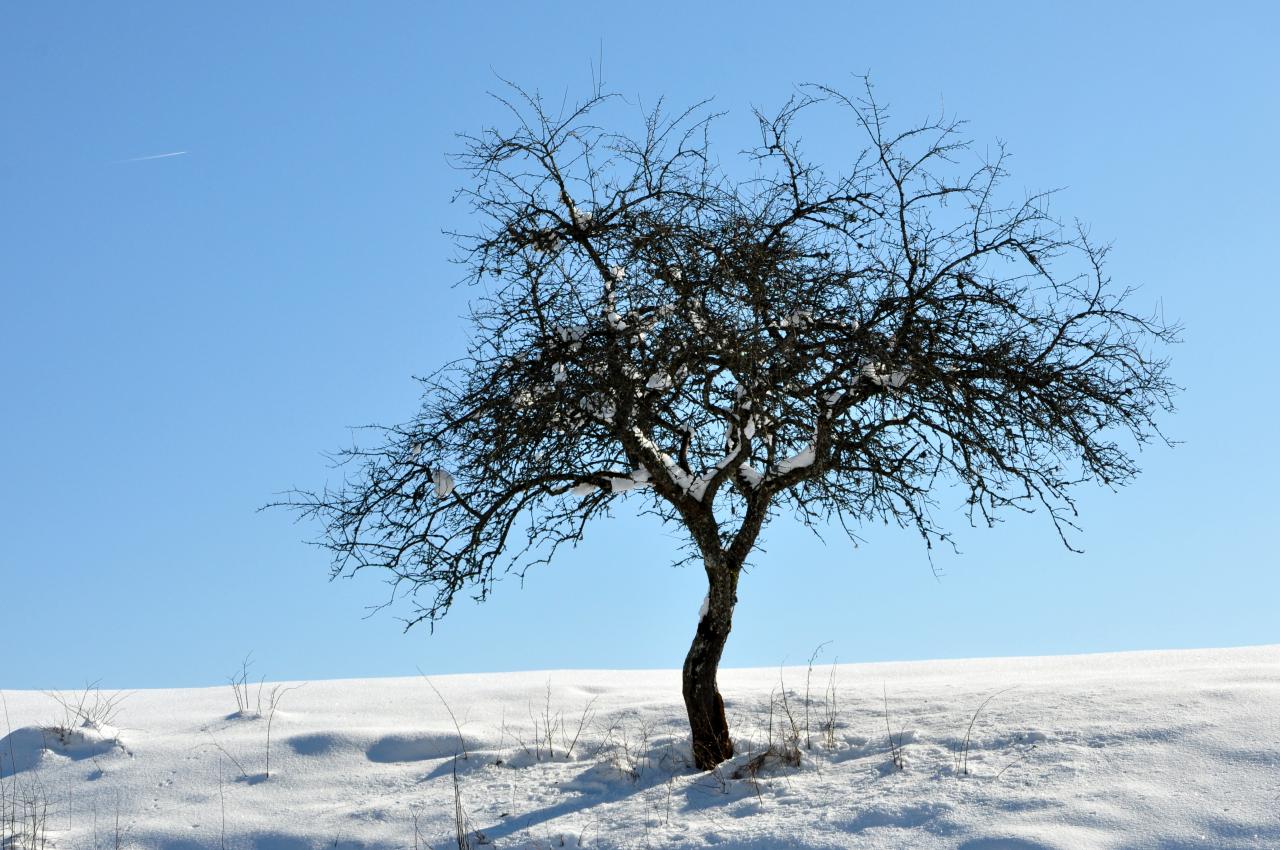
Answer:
(181, 338)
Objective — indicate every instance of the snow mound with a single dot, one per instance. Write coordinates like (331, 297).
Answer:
(409, 748)
(29, 747)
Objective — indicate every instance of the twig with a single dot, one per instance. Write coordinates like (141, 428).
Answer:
(962, 759)
(222, 802)
(277, 694)
(582, 722)
(895, 746)
(1017, 760)
(244, 774)
(808, 741)
(461, 833)
(462, 744)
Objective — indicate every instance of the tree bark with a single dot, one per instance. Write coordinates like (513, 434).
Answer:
(702, 700)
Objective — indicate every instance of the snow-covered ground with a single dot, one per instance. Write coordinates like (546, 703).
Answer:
(1132, 750)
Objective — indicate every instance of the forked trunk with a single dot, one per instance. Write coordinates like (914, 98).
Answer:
(702, 700)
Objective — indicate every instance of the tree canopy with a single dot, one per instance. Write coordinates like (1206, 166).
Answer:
(843, 344)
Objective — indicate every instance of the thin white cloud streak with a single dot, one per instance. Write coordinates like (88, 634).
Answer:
(153, 156)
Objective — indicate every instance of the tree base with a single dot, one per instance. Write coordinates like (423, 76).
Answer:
(711, 742)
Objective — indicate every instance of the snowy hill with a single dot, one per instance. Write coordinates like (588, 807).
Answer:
(1133, 750)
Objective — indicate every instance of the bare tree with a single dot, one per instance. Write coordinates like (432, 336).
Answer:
(846, 346)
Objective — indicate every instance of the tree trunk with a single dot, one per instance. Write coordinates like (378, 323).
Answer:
(702, 701)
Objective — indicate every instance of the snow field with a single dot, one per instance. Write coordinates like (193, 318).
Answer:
(1177, 749)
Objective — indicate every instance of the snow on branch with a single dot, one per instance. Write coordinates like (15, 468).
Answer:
(844, 339)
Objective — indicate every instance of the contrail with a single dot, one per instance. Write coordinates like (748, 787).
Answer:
(154, 156)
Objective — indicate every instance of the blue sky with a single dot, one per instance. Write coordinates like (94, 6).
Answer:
(181, 338)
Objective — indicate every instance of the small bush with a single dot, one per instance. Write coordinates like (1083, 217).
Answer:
(91, 708)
